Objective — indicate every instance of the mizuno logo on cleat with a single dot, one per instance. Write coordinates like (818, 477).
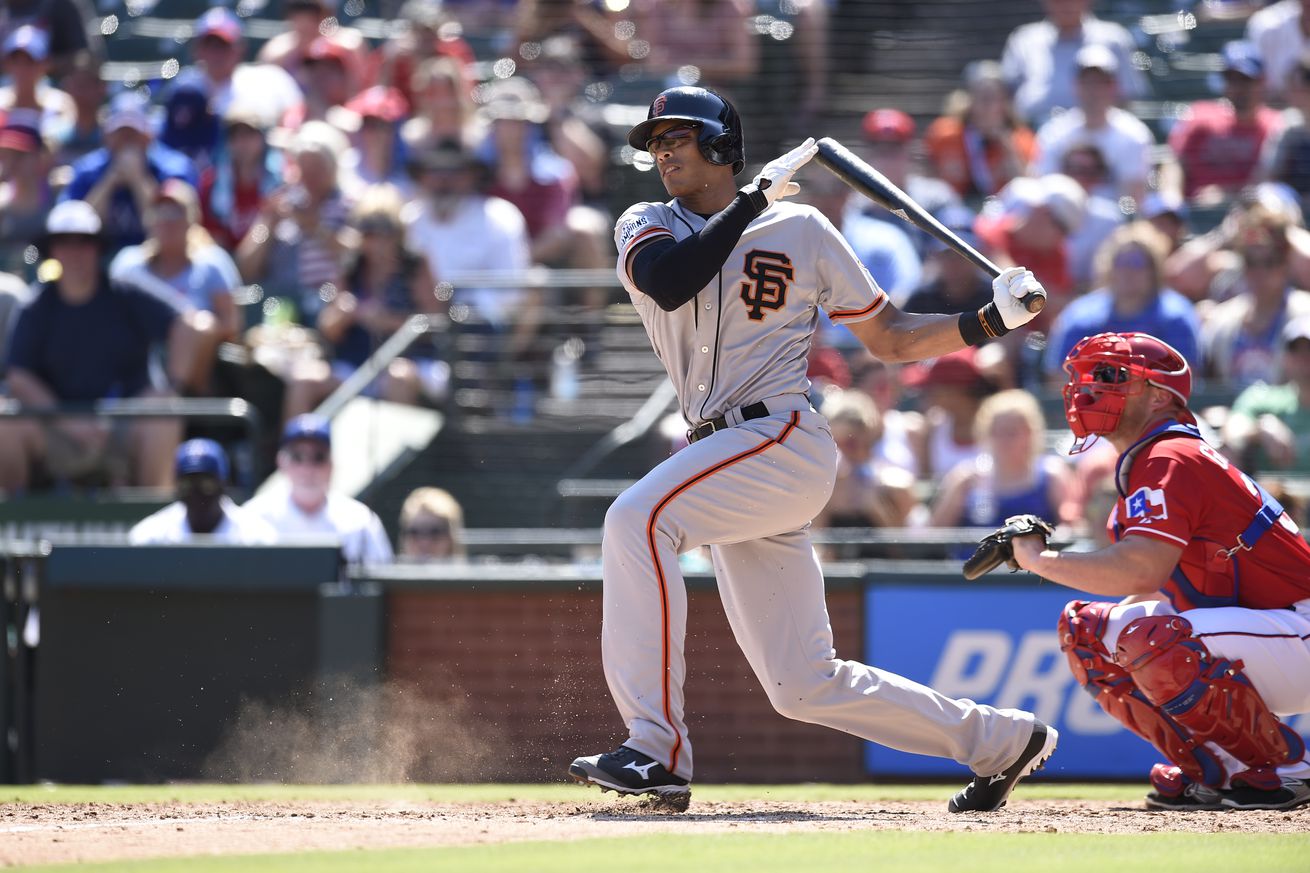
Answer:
(642, 771)
(998, 778)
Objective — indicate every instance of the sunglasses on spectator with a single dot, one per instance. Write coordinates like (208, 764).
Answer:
(427, 532)
(201, 486)
(1132, 259)
(670, 139)
(309, 457)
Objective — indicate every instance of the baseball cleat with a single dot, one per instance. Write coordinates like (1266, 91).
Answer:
(1292, 793)
(989, 793)
(1173, 790)
(628, 771)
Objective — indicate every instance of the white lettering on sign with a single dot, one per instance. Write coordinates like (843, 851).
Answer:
(971, 663)
(1038, 673)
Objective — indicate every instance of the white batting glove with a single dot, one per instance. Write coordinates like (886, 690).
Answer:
(774, 181)
(1008, 291)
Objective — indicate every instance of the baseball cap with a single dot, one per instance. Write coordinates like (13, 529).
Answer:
(1297, 328)
(1095, 56)
(219, 22)
(514, 99)
(128, 110)
(893, 125)
(30, 40)
(73, 218)
(1242, 57)
(1065, 198)
(958, 370)
(20, 138)
(307, 427)
(179, 192)
(201, 456)
(324, 49)
(381, 102)
(1157, 203)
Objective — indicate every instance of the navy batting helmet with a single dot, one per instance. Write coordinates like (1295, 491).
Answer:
(719, 128)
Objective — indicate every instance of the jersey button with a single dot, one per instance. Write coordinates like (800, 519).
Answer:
(707, 306)
(705, 349)
(700, 387)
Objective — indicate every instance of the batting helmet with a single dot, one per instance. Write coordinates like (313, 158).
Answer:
(718, 126)
(1106, 369)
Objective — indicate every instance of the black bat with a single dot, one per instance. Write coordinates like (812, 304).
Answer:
(863, 178)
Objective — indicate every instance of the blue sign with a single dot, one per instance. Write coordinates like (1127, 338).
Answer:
(997, 644)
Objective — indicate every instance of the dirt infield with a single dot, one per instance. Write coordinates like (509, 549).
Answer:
(55, 833)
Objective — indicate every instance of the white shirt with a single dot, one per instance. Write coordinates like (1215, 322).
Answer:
(1124, 141)
(356, 527)
(1276, 33)
(267, 89)
(484, 233)
(170, 525)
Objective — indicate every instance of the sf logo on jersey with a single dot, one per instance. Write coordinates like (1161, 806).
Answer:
(769, 273)
(1146, 504)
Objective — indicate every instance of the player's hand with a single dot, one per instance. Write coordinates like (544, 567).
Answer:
(1027, 532)
(1027, 549)
(774, 181)
(1008, 291)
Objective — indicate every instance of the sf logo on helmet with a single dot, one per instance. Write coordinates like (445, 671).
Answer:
(769, 273)
(657, 108)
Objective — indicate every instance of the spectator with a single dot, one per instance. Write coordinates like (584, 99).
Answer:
(712, 36)
(572, 120)
(14, 295)
(1286, 154)
(217, 47)
(431, 526)
(112, 327)
(120, 179)
(1012, 475)
(1167, 213)
(443, 106)
(459, 229)
(374, 117)
(327, 80)
(953, 283)
(889, 134)
(866, 493)
(86, 89)
(26, 63)
(1241, 337)
(65, 21)
(308, 21)
(384, 286)
(179, 258)
(1132, 297)
(1039, 58)
(1083, 163)
(294, 248)
(1218, 145)
(304, 506)
(431, 34)
(1124, 140)
(1269, 425)
(952, 388)
(233, 191)
(1279, 36)
(882, 383)
(200, 475)
(25, 196)
(190, 126)
(1031, 223)
(979, 143)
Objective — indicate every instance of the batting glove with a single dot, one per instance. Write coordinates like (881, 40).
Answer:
(1008, 291)
(774, 181)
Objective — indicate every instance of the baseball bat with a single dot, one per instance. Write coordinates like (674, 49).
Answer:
(846, 166)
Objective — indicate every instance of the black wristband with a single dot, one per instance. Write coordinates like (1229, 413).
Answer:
(985, 324)
(756, 197)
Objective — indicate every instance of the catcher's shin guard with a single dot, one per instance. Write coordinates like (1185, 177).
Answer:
(1209, 696)
(1082, 623)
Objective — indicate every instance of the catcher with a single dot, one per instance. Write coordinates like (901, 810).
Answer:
(1211, 641)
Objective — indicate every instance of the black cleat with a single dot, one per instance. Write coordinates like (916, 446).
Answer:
(1292, 793)
(628, 771)
(1194, 796)
(989, 793)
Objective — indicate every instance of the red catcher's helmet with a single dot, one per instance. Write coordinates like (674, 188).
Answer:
(1106, 369)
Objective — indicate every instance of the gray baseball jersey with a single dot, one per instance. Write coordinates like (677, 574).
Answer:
(747, 334)
(749, 491)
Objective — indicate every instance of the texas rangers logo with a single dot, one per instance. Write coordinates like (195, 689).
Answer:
(1146, 505)
(769, 273)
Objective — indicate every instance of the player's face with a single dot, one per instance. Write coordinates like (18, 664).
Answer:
(682, 168)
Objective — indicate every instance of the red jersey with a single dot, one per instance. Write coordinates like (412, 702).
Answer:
(1214, 149)
(1176, 487)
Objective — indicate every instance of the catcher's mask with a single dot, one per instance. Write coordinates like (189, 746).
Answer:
(1106, 369)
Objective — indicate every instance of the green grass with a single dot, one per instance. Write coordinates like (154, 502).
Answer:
(767, 853)
(560, 793)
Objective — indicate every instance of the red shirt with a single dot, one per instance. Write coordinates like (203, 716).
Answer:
(1183, 491)
(229, 227)
(1214, 149)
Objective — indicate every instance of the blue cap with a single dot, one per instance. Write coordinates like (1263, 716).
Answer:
(220, 22)
(308, 427)
(201, 456)
(30, 40)
(1242, 57)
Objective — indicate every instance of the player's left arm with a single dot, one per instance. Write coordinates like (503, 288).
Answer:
(1134, 565)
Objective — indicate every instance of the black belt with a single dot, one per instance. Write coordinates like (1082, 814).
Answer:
(700, 431)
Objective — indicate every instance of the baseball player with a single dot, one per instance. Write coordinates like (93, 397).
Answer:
(729, 284)
(1213, 636)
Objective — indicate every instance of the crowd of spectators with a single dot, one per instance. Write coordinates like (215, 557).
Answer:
(339, 182)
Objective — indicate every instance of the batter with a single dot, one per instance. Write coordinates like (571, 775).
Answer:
(729, 284)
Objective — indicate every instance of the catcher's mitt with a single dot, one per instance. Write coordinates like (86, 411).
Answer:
(995, 548)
